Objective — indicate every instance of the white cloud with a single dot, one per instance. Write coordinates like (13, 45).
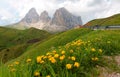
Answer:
(88, 9)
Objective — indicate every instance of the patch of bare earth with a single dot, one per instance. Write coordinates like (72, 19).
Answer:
(107, 72)
(117, 59)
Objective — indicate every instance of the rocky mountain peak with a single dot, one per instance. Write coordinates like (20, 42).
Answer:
(32, 10)
(62, 10)
(44, 17)
(31, 17)
(62, 17)
(62, 20)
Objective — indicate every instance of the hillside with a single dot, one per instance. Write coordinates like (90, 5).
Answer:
(113, 20)
(87, 48)
(14, 42)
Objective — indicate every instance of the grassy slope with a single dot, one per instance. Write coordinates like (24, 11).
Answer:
(63, 38)
(57, 40)
(14, 42)
(113, 20)
(85, 34)
(66, 37)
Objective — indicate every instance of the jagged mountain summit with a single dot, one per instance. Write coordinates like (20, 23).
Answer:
(62, 20)
(31, 17)
(44, 17)
(63, 17)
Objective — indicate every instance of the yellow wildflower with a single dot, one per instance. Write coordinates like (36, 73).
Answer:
(28, 60)
(96, 59)
(71, 51)
(16, 62)
(100, 50)
(68, 66)
(36, 74)
(56, 55)
(52, 59)
(78, 44)
(48, 76)
(73, 58)
(93, 49)
(39, 58)
(63, 52)
(62, 57)
(76, 64)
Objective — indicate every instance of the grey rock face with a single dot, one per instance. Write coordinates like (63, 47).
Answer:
(31, 17)
(44, 17)
(61, 21)
(63, 18)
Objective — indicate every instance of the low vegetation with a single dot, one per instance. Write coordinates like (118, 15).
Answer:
(75, 53)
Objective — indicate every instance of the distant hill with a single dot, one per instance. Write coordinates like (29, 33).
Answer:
(14, 42)
(112, 20)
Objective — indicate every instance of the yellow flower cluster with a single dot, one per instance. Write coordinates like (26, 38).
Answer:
(39, 59)
(69, 66)
(68, 56)
(52, 59)
(77, 43)
(95, 59)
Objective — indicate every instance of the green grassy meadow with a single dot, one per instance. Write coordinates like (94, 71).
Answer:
(14, 42)
(74, 53)
(112, 20)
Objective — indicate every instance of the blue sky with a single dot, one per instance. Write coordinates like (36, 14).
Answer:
(12, 11)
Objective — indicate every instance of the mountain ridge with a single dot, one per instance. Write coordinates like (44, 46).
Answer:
(61, 21)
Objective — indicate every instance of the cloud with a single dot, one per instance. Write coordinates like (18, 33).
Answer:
(14, 10)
